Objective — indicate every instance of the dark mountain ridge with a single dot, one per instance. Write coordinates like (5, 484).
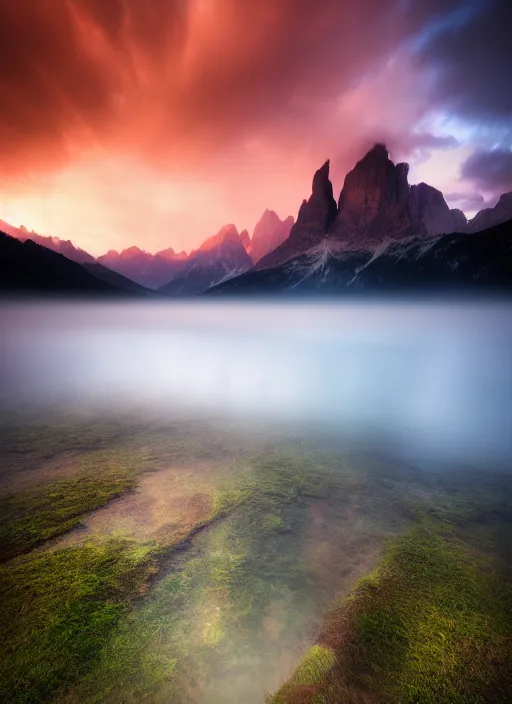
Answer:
(27, 267)
(378, 218)
(456, 262)
(376, 206)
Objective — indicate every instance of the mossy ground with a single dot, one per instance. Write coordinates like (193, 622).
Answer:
(232, 603)
(33, 515)
(57, 609)
(59, 606)
(281, 528)
(74, 624)
(432, 624)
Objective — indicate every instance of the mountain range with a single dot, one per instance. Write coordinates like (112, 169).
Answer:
(221, 258)
(28, 267)
(384, 234)
(381, 234)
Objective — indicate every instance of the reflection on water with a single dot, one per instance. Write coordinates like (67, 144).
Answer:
(434, 379)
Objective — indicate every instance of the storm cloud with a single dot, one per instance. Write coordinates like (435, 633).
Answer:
(245, 97)
(472, 61)
(490, 170)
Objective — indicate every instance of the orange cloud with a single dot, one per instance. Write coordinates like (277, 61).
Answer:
(155, 122)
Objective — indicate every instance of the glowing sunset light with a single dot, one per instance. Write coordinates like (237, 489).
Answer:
(157, 123)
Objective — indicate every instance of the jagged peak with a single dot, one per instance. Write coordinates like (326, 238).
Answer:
(379, 151)
(227, 229)
(245, 238)
(322, 186)
(227, 233)
(133, 250)
(403, 168)
(269, 216)
(321, 176)
(426, 187)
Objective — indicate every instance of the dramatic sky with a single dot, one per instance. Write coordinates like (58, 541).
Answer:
(155, 122)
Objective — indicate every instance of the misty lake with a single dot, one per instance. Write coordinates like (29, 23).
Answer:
(191, 490)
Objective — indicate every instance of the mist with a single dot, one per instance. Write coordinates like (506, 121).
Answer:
(428, 380)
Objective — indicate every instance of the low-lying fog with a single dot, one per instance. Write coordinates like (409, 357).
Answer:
(429, 379)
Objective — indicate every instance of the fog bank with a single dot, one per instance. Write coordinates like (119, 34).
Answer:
(429, 379)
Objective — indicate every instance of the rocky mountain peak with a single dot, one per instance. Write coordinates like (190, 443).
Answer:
(374, 184)
(504, 205)
(225, 236)
(322, 186)
(428, 205)
(314, 219)
(317, 213)
(132, 252)
(373, 204)
(270, 232)
(245, 239)
(489, 217)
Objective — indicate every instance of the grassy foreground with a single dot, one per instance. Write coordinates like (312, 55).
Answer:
(36, 514)
(221, 596)
(90, 623)
(57, 608)
(432, 624)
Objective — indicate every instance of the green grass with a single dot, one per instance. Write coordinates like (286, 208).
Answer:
(58, 608)
(34, 515)
(103, 457)
(27, 440)
(314, 666)
(432, 624)
(61, 608)
(219, 594)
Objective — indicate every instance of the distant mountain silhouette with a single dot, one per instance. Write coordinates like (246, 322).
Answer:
(148, 270)
(313, 221)
(220, 257)
(376, 205)
(488, 217)
(65, 247)
(27, 267)
(270, 231)
(378, 217)
(428, 205)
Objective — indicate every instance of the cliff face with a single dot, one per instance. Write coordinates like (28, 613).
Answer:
(374, 204)
(428, 205)
(453, 263)
(314, 219)
(489, 217)
(268, 234)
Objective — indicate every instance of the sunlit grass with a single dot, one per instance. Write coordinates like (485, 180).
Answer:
(432, 624)
(57, 609)
(222, 591)
(227, 582)
(31, 516)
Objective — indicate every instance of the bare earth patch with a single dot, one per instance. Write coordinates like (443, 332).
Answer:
(165, 505)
